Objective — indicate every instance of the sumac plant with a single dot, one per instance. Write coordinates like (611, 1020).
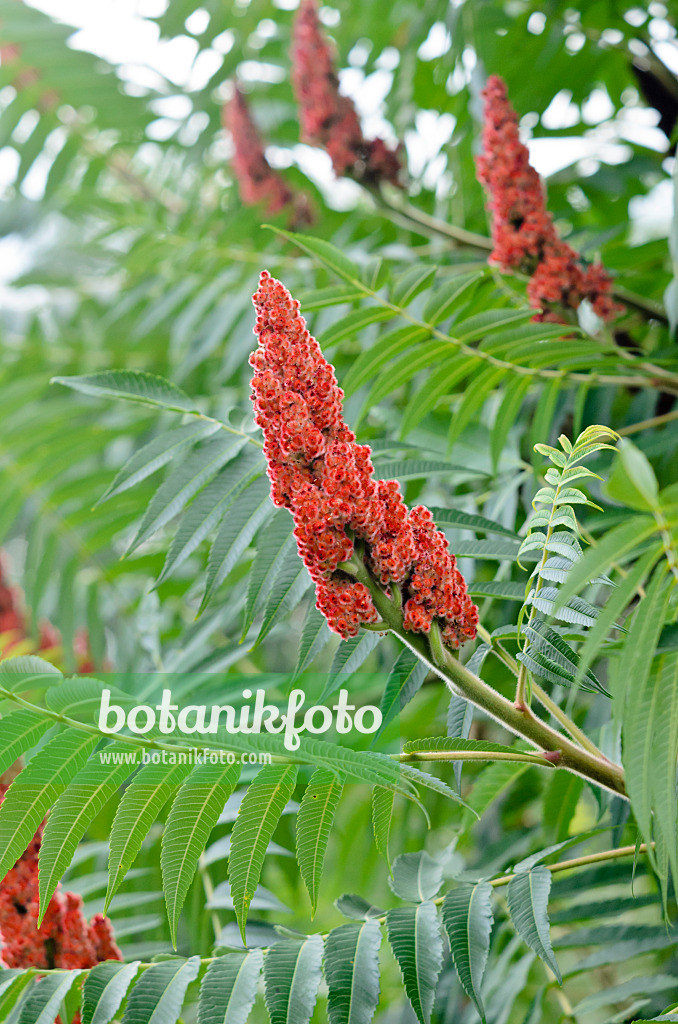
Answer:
(341, 691)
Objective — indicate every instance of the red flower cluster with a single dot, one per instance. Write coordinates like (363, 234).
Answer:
(257, 180)
(319, 472)
(14, 632)
(65, 939)
(327, 118)
(522, 229)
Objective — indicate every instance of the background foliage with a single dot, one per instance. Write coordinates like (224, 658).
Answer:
(139, 256)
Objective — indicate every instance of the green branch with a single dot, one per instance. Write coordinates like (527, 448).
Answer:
(521, 721)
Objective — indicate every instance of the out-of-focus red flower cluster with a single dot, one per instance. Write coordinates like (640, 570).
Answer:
(522, 228)
(14, 632)
(325, 478)
(257, 180)
(65, 939)
(327, 118)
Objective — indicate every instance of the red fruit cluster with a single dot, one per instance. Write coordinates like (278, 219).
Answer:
(257, 180)
(522, 228)
(325, 478)
(65, 939)
(327, 118)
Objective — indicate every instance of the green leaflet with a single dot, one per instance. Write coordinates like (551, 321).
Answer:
(353, 323)
(209, 508)
(613, 547)
(104, 990)
(426, 354)
(370, 362)
(467, 917)
(320, 298)
(348, 658)
(447, 297)
(76, 808)
(44, 1000)
(577, 611)
(19, 732)
(27, 672)
(473, 748)
(613, 608)
(352, 972)
(357, 908)
(440, 385)
(404, 681)
(414, 935)
(260, 812)
(235, 534)
(415, 280)
(469, 521)
(414, 469)
(184, 482)
(491, 784)
(142, 801)
(131, 386)
(382, 812)
(315, 636)
(289, 586)
(194, 814)
(507, 414)
(528, 895)
(159, 993)
(292, 975)
(314, 823)
(229, 988)
(650, 725)
(560, 803)
(507, 591)
(474, 397)
(274, 546)
(416, 876)
(156, 454)
(36, 788)
(328, 254)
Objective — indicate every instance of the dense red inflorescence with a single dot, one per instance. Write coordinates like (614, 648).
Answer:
(327, 118)
(325, 478)
(64, 939)
(257, 180)
(522, 228)
(14, 630)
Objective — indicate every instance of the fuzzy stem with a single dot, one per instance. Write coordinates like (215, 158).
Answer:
(523, 723)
